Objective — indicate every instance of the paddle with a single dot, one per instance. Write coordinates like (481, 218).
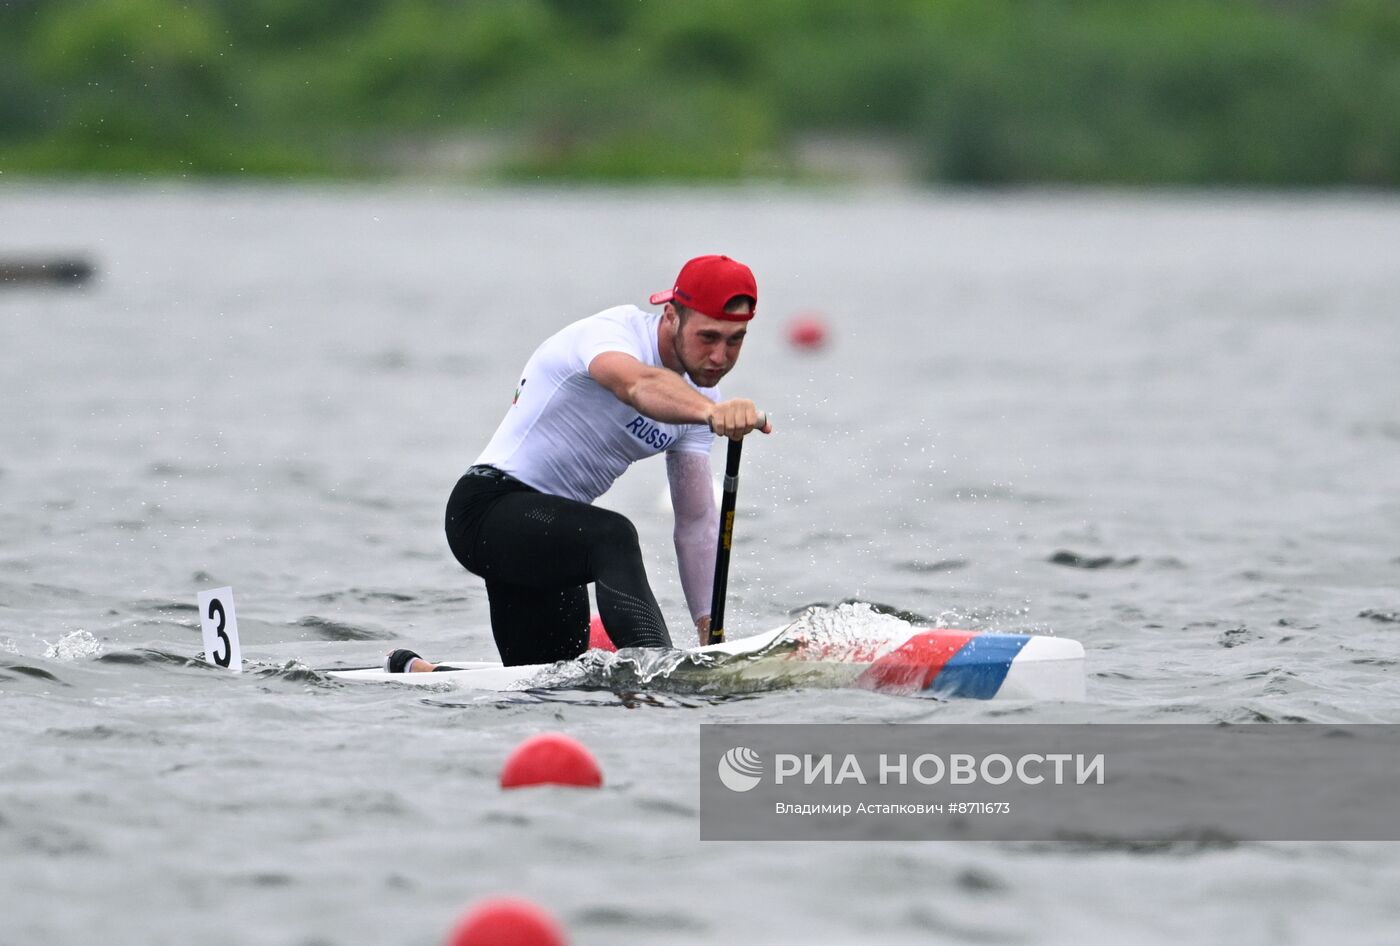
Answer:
(726, 536)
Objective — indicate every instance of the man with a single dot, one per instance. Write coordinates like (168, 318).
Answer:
(597, 396)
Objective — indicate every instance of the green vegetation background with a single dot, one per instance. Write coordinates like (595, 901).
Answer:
(1252, 92)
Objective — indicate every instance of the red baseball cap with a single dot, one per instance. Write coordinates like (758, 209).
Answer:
(707, 284)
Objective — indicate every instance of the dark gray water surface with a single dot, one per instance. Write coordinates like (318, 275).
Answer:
(1166, 426)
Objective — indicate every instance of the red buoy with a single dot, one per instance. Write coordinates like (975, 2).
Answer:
(807, 331)
(506, 921)
(551, 758)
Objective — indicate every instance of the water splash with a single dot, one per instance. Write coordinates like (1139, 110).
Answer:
(75, 646)
(850, 631)
(849, 622)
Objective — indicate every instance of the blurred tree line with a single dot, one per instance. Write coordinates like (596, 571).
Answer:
(1254, 92)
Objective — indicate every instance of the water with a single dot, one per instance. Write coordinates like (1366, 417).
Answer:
(1163, 425)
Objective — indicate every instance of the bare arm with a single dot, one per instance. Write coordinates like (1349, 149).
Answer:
(659, 393)
(697, 529)
(663, 395)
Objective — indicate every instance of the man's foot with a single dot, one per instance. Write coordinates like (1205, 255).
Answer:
(404, 660)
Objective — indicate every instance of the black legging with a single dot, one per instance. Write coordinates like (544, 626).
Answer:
(538, 553)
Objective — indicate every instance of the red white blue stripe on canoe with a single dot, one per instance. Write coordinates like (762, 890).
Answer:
(947, 663)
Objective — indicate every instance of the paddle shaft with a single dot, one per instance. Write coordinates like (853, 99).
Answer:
(726, 536)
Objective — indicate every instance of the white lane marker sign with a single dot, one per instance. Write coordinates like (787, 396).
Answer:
(220, 629)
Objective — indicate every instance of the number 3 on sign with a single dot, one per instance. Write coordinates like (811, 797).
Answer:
(220, 629)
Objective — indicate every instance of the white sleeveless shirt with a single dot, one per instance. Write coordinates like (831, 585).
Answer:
(567, 435)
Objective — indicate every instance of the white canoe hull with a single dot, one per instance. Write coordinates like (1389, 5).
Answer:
(939, 662)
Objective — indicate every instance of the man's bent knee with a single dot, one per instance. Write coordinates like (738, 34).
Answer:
(613, 530)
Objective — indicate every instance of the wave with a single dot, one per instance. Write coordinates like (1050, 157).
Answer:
(149, 656)
(336, 631)
(10, 670)
(363, 596)
(1078, 560)
(1180, 843)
